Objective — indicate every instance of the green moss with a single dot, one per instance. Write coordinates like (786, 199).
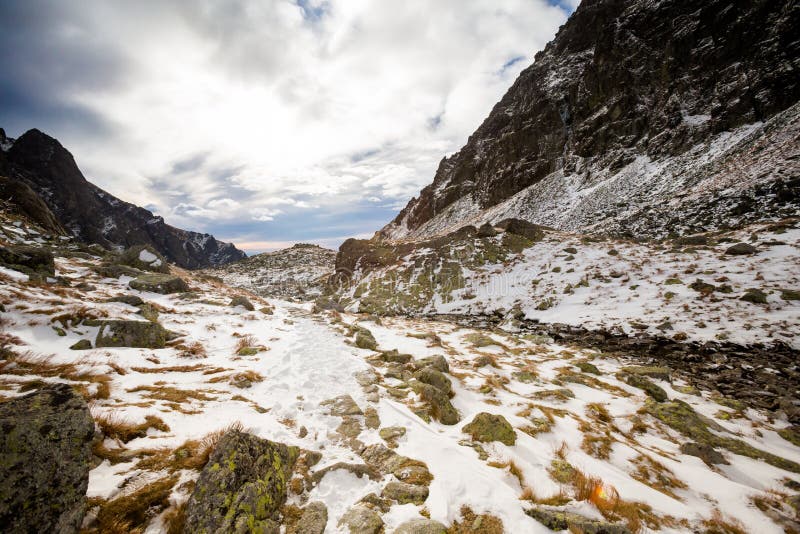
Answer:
(588, 367)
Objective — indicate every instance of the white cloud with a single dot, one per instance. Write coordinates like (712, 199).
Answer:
(359, 104)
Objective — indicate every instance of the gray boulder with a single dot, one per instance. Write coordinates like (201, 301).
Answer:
(159, 283)
(741, 249)
(45, 455)
(144, 258)
(405, 493)
(242, 487)
(314, 519)
(140, 334)
(362, 520)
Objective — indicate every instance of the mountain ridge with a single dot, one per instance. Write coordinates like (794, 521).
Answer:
(40, 164)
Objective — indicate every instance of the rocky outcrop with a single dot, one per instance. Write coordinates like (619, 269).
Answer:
(24, 201)
(243, 486)
(92, 215)
(45, 454)
(490, 427)
(616, 117)
(28, 259)
(144, 258)
(139, 334)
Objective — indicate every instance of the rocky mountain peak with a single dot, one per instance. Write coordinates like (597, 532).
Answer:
(622, 84)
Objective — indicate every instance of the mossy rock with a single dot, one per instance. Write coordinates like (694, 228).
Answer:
(562, 471)
(441, 408)
(149, 312)
(28, 259)
(159, 283)
(242, 487)
(365, 340)
(656, 392)
(405, 493)
(791, 434)
(45, 456)
(421, 526)
(436, 361)
(313, 520)
(138, 334)
(681, 417)
(488, 427)
(741, 249)
(673, 282)
(115, 271)
(361, 519)
(559, 520)
(588, 367)
(144, 258)
(131, 300)
(429, 375)
(392, 432)
(659, 373)
(790, 294)
(754, 296)
(394, 356)
(83, 344)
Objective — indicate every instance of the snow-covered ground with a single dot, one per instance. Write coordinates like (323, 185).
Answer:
(597, 423)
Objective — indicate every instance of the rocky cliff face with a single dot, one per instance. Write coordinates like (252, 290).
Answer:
(633, 105)
(36, 163)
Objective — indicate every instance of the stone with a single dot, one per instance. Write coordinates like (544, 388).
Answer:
(45, 457)
(643, 383)
(139, 334)
(560, 520)
(441, 408)
(588, 367)
(115, 271)
(421, 526)
(741, 249)
(359, 470)
(490, 427)
(342, 405)
(371, 418)
(367, 377)
(405, 493)
(393, 356)
(28, 259)
(392, 432)
(242, 301)
(83, 344)
(313, 520)
(790, 294)
(705, 452)
(131, 300)
(437, 361)
(361, 520)
(429, 375)
(754, 296)
(159, 283)
(365, 340)
(486, 230)
(243, 486)
(144, 258)
(659, 373)
(149, 312)
(526, 229)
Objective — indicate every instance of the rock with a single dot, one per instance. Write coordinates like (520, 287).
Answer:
(242, 301)
(83, 344)
(482, 361)
(242, 487)
(367, 377)
(705, 452)
(421, 526)
(436, 361)
(392, 432)
(139, 334)
(755, 296)
(371, 418)
(490, 427)
(405, 493)
(342, 405)
(145, 258)
(45, 456)
(702, 287)
(131, 300)
(159, 283)
(429, 375)
(365, 340)
(28, 259)
(313, 520)
(641, 382)
(741, 249)
(441, 408)
(692, 240)
(486, 230)
(325, 304)
(559, 520)
(393, 356)
(588, 367)
(526, 229)
(384, 460)
(362, 520)
(115, 271)
(659, 373)
(790, 294)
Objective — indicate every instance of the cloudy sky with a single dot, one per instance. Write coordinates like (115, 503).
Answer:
(264, 122)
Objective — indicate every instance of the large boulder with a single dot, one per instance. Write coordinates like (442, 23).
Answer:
(139, 334)
(159, 283)
(534, 232)
(440, 406)
(242, 487)
(490, 427)
(145, 258)
(28, 259)
(741, 249)
(45, 455)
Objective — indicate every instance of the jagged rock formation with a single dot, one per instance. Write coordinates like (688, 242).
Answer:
(37, 166)
(640, 118)
(300, 271)
(44, 460)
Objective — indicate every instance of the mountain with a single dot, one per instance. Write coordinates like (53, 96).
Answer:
(43, 175)
(640, 119)
(297, 272)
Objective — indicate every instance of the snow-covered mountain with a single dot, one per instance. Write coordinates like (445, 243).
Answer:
(36, 165)
(640, 119)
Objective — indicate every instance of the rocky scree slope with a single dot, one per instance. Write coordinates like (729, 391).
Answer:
(299, 272)
(641, 119)
(42, 179)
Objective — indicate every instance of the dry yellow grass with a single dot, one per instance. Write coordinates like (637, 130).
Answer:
(118, 427)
